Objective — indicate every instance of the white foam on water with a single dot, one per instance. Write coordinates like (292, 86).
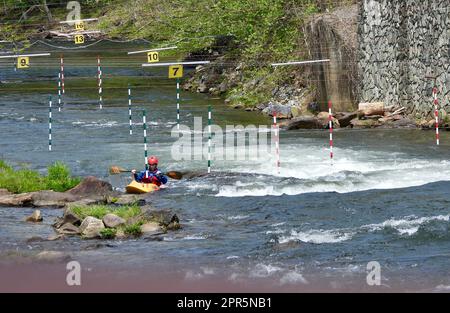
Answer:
(195, 237)
(293, 278)
(263, 270)
(317, 236)
(406, 226)
(357, 171)
(238, 217)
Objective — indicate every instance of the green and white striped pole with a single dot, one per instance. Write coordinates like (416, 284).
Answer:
(209, 138)
(144, 122)
(50, 123)
(129, 110)
(59, 92)
(100, 82)
(178, 104)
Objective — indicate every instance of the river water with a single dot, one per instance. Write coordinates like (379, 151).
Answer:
(384, 199)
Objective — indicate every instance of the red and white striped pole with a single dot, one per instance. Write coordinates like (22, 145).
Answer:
(330, 121)
(277, 142)
(436, 113)
(62, 74)
(99, 77)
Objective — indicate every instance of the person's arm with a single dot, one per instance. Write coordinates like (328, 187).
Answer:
(161, 178)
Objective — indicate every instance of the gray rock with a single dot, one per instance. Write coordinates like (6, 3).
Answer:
(163, 217)
(112, 221)
(308, 122)
(282, 111)
(4, 192)
(91, 187)
(56, 237)
(202, 88)
(151, 229)
(36, 217)
(52, 257)
(131, 199)
(35, 239)
(68, 229)
(91, 227)
(345, 118)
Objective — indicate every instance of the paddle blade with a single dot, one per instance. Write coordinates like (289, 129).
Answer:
(174, 175)
(116, 170)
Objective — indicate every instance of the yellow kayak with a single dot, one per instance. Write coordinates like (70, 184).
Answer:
(136, 188)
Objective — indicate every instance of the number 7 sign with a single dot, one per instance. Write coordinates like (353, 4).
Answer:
(176, 71)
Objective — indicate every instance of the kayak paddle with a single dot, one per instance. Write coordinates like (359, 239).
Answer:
(117, 170)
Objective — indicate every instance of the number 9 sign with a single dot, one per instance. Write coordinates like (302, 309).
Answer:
(23, 62)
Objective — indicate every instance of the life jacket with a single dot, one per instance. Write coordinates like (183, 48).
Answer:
(150, 178)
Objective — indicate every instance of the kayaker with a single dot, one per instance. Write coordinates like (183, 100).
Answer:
(152, 176)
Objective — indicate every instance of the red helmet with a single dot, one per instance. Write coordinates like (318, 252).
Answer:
(152, 160)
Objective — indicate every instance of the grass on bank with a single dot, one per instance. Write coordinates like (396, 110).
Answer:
(99, 211)
(125, 212)
(24, 180)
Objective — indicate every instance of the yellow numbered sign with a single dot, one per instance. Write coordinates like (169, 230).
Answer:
(79, 26)
(79, 39)
(176, 71)
(23, 62)
(153, 57)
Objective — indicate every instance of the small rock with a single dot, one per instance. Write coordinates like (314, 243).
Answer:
(4, 192)
(364, 123)
(35, 239)
(56, 237)
(35, 217)
(112, 221)
(91, 227)
(202, 88)
(68, 229)
(52, 256)
(151, 229)
(131, 199)
(120, 234)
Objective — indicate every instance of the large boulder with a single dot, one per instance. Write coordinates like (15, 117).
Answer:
(304, 122)
(44, 198)
(346, 117)
(91, 187)
(91, 227)
(112, 221)
(36, 217)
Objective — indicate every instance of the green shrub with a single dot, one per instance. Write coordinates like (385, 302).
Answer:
(108, 233)
(59, 178)
(26, 180)
(99, 211)
(133, 229)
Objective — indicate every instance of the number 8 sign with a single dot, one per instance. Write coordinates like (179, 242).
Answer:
(176, 71)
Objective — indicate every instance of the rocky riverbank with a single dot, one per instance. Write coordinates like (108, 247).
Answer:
(93, 210)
